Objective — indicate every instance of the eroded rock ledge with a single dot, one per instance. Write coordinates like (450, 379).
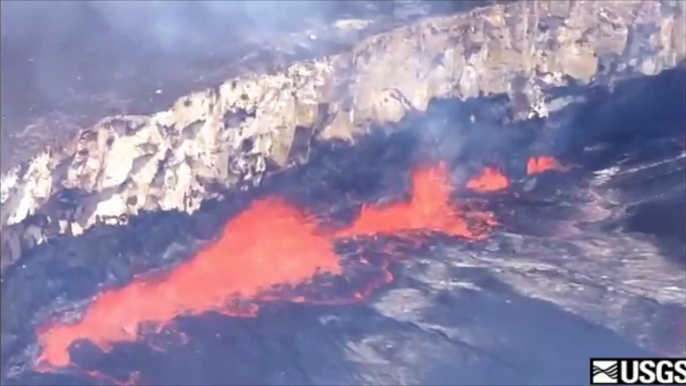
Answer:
(231, 135)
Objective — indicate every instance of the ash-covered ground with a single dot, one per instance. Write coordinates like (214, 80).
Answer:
(586, 260)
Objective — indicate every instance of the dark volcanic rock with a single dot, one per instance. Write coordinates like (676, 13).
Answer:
(585, 263)
(569, 273)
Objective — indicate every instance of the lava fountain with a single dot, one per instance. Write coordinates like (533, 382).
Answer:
(490, 180)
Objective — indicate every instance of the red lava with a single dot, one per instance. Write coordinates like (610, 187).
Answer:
(490, 180)
(271, 243)
(429, 209)
(544, 163)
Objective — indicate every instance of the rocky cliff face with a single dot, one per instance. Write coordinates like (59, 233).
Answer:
(234, 134)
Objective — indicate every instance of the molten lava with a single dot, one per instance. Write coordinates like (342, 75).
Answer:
(490, 180)
(430, 209)
(544, 163)
(270, 244)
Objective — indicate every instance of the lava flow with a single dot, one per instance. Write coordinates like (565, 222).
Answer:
(490, 180)
(430, 209)
(270, 244)
(542, 164)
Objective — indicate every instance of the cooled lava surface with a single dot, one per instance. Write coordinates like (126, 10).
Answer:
(387, 263)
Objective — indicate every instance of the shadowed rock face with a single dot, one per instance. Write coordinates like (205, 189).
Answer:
(232, 134)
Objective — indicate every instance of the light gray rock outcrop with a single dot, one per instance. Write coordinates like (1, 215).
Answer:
(233, 134)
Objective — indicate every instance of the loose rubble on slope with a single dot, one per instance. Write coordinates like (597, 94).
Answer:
(233, 134)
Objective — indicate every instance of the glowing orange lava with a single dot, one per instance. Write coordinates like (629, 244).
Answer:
(271, 243)
(430, 209)
(490, 180)
(542, 164)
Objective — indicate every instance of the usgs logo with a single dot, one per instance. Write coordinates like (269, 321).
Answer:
(638, 371)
